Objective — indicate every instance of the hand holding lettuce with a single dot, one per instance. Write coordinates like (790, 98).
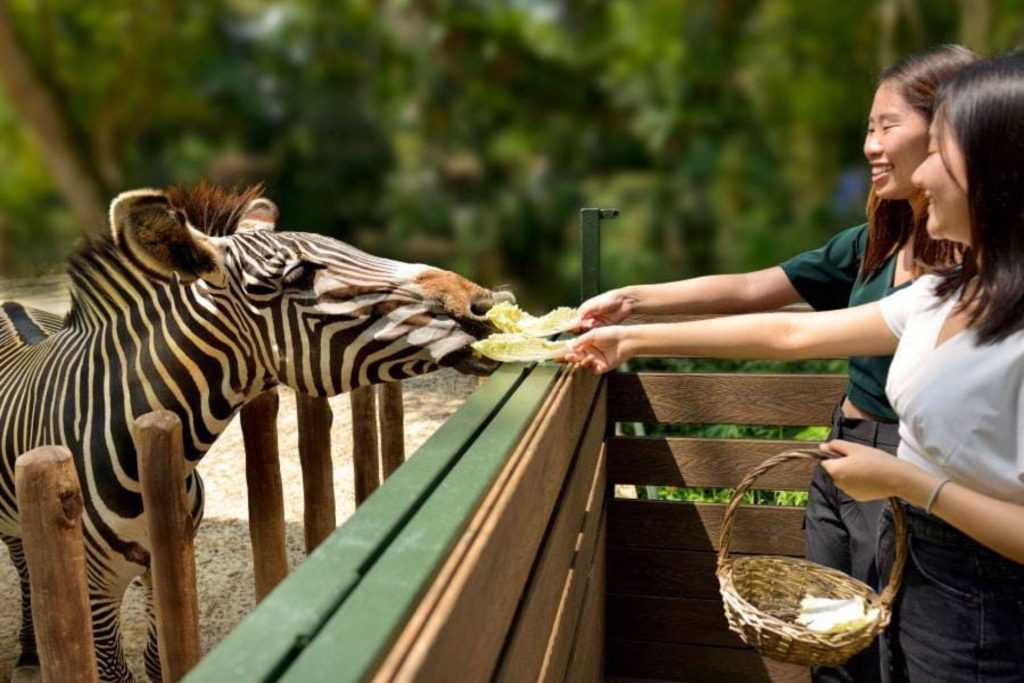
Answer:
(521, 339)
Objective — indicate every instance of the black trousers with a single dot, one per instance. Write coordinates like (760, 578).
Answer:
(842, 533)
(959, 615)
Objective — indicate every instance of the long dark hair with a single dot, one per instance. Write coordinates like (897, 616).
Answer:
(983, 107)
(893, 222)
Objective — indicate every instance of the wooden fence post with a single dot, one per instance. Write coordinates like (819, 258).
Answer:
(392, 427)
(364, 442)
(265, 491)
(50, 510)
(170, 525)
(314, 423)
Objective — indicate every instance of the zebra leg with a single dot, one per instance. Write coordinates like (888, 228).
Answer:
(151, 655)
(26, 669)
(106, 602)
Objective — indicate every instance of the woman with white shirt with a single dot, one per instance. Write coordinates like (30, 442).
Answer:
(956, 383)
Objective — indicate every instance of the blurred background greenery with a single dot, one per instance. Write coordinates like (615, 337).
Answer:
(466, 133)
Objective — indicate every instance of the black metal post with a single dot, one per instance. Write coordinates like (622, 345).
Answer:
(590, 249)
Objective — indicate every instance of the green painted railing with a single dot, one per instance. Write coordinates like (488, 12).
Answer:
(336, 615)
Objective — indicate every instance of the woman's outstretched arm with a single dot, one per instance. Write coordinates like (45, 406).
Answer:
(761, 290)
(858, 331)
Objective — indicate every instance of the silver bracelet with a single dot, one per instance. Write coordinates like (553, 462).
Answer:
(935, 494)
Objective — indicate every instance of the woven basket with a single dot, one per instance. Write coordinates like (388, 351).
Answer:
(762, 594)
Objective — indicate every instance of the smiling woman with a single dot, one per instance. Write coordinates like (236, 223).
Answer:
(895, 143)
(860, 265)
(956, 383)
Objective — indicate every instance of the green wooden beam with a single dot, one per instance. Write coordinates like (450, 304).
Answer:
(267, 641)
(355, 639)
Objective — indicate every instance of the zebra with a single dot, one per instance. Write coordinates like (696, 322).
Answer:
(196, 304)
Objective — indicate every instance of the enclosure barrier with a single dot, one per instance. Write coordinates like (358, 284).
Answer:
(50, 505)
(171, 532)
(263, 470)
(50, 510)
(481, 556)
(664, 612)
(265, 492)
(499, 552)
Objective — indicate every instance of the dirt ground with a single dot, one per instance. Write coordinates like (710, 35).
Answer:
(223, 551)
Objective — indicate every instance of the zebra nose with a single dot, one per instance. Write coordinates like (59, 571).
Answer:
(481, 305)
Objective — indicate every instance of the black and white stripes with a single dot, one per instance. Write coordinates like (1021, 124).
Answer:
(246, 309)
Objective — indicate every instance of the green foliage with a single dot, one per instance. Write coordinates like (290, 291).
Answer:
(724, 495)
(468, 133)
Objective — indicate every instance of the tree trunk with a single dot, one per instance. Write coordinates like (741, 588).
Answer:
(62, 146)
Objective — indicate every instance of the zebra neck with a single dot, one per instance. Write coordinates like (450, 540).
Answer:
(175, 338)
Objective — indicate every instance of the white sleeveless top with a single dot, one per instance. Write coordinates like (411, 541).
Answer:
(961, 406)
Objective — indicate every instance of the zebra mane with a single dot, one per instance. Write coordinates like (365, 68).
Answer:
(211, 209)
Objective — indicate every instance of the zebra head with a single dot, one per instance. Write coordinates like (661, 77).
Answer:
(325, 317)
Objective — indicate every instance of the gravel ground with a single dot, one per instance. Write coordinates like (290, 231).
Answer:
(223, 551)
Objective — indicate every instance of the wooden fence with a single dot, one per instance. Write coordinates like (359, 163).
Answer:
(664, 612)
(50, 504)
(499, 551)
(378, 447)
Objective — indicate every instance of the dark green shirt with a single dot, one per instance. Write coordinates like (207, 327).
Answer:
(829, 278)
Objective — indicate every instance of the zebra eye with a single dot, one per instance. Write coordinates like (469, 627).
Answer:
(301, 275)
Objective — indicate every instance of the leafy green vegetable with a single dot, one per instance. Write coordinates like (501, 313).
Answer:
(510, 319)
(519, 348)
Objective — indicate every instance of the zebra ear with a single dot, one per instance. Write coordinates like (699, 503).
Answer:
(158, 239)
(260, 214)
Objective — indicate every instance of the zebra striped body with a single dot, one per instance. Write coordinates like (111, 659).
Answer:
(146, 334)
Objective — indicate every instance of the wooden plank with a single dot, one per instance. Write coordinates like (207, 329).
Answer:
(586, 660)
(697, 526)
(268, 639)
(50, 508)
(375, 611)
(365, 447)
(697, 664)
(776, 399)
(579, 510)
(669, 620)
(662, 573)
(665, 573)
(264, 491)
(703, 462)
(171, 532)
(458, 638)
(313, 420)
(575, 594)
(392, 427)
(589, 550)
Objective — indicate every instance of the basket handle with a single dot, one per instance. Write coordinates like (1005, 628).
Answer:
(899, 518)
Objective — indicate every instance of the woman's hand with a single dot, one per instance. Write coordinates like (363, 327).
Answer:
(867, 473)
(600, 350)
(864, 473)
(610, 308)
